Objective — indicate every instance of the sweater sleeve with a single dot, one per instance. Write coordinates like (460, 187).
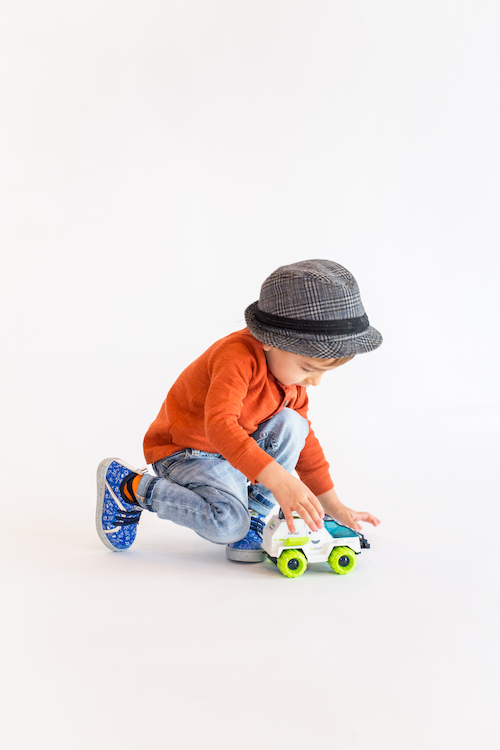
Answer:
(231, 370)
(312, 466)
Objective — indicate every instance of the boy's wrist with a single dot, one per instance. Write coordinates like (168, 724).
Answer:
(272, 475)
(330, 502)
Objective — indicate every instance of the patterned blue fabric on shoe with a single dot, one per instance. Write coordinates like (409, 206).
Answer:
(118, 518)
(253, 540)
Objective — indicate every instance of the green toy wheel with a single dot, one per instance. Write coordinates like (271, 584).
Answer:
(342, 560)
(292, 563)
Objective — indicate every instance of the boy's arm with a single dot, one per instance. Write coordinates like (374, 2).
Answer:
(231, 371)
(313, 468)
(344, 515)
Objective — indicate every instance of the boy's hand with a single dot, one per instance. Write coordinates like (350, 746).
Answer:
(348, 517)
(292, 495)
(295, 496)
(344, 515)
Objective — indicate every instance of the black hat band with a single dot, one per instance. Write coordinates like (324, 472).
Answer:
(335, 327)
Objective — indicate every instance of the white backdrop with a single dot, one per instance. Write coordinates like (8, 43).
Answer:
(157, 161)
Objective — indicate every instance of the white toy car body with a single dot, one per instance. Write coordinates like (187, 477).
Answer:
(338, 545)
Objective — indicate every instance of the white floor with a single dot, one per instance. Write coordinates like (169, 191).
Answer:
(170, 645)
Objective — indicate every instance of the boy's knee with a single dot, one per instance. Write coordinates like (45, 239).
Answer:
(294, 421)
(232, 524)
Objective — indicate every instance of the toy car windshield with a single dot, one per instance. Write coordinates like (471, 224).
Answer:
(336, 530)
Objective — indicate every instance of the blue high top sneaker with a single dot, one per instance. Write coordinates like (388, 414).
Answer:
(249, 548)
(118, 511)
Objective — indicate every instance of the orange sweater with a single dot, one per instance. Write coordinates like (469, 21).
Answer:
(220, 400)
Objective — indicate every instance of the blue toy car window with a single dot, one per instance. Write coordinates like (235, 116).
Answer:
(336, 530)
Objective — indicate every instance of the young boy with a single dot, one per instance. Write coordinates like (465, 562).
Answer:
(234, 424)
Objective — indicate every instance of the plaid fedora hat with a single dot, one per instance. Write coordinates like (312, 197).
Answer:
(312, 308)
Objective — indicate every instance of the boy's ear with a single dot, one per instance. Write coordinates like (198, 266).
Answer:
(267, 347)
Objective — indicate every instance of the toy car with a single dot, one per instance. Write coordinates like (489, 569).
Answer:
(338, 545)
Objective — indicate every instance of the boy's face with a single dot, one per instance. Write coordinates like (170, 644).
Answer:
(294, 369)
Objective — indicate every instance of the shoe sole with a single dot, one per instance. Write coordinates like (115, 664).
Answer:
(245, 555)
(101, 489)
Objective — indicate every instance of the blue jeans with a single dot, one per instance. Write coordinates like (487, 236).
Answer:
(206, 493)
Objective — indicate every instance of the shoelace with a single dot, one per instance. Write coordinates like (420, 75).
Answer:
(257, 525)
(127, 517)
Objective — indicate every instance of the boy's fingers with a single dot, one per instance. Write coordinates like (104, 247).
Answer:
(308, 520)
(313, 525)
(315, 510)
(289, 521)
(353, 524)
(311, 511)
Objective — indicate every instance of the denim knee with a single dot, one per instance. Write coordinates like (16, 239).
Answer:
(292, 421)
(232, 527)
